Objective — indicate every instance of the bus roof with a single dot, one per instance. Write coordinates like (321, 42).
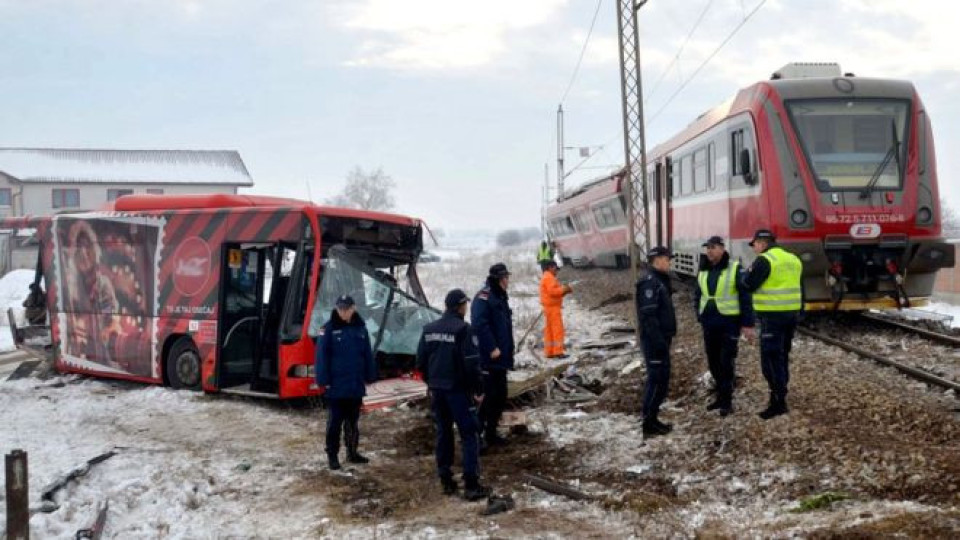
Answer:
(139, 203)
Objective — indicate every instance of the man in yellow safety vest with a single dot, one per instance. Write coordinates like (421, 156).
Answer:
(775, 279)
(722, 308)
(544, 255)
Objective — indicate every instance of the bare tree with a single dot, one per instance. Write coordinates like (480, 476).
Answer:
(950, 219)
(366, 190)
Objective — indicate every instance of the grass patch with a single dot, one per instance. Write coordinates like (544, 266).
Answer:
(817, 502)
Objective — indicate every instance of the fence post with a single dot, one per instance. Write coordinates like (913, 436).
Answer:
(18, 512)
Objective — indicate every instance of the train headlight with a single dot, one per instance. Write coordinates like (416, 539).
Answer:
(806, 257)
(798, 217)
(924, 214)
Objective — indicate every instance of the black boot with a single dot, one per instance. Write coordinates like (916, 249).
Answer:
(473, 490)
(776, 407)
(714, 405)
(450, 486)
(334, 461)
(354, 457)
(351, 435)
(651, 428)
(493, 439)
(665, 428)
(725, 404)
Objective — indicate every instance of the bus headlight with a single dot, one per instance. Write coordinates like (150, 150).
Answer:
(302, 372)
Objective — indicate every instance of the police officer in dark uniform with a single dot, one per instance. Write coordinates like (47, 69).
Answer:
(775, 279)
(344, 365)
(493, 324)
(448, 359)
(658, 324)
(722, 308)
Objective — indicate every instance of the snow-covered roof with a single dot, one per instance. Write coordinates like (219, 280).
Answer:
(54, 165)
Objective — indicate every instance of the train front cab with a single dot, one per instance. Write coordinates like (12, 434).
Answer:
(858, 198)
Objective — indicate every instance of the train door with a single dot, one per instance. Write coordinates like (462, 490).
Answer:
(657, 204)
(665, 182)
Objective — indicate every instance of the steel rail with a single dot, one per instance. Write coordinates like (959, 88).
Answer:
(916, 373)
(930, 334)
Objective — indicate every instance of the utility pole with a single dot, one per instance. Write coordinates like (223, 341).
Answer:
(634, 140)
(560, 152)
(545, 202)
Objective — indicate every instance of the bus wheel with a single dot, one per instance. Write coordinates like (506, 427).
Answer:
(183, 365)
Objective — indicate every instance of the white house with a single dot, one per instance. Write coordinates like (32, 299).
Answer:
(43, 181)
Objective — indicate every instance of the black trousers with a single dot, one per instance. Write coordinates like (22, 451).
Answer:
(451, 407)
(720, 342)
(658, 379)
(776, 340)
(344, 414)
(494, 400)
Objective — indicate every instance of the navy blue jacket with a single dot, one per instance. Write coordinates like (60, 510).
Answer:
(655, 312)
(492, 321)
(447, 356)
(711, 316)
(344, 358)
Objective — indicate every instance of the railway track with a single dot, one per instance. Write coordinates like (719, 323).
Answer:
(914, 372)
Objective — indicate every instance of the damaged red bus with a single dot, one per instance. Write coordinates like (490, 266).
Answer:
(225, 292)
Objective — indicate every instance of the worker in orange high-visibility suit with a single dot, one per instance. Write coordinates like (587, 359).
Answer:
(551, 298)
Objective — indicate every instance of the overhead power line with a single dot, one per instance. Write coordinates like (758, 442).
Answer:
(676, 57)
(583, 50)
(706, 61)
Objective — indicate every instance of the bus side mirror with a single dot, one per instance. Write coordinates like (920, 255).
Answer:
(748, 177)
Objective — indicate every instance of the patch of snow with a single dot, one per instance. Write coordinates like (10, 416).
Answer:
(14, 288)
(945, 309)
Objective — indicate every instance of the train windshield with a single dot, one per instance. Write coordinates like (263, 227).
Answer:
(852, 144)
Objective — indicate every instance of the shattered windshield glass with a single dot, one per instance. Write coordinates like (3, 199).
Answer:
(848, 141)
(393, 317)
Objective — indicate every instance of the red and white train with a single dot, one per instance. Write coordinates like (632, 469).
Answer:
(842, 169)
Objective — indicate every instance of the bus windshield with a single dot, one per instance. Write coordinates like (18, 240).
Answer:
(394, 318)
(849, 142)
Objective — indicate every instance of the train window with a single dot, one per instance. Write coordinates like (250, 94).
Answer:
(562, 226)
(674, 175)
(922, 127)
(736, 145)
(712, 166)
(686, 174)
(700, 170)
(850, 144)
(581, 220)
(609, 214)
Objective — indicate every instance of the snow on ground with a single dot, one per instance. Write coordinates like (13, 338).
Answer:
(14, 287)
(944, 308)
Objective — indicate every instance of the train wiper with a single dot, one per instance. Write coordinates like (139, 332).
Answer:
(892, 153)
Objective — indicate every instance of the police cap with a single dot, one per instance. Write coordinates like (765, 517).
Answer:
(658, 251)
(455, 298)
(499, 270)
(713, 241)
(763, 234)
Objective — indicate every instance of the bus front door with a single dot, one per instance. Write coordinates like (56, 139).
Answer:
(241, 314)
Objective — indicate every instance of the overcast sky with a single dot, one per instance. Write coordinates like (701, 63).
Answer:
(456, 100)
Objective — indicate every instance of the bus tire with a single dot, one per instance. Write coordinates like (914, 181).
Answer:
(183, 365)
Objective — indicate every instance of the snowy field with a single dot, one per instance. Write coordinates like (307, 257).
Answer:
(190, 465)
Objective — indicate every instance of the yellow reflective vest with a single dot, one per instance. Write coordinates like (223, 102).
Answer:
(728, 302)
(781, 290)
(544, 254)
